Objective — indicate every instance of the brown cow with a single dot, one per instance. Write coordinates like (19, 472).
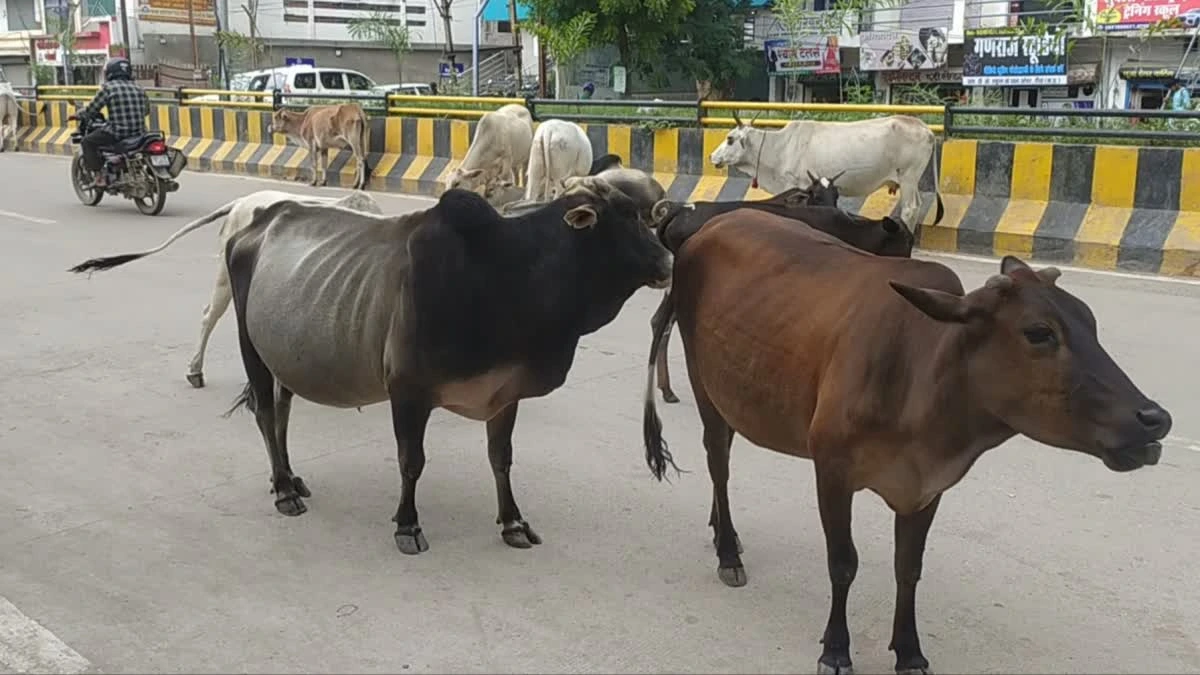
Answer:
(796, 341)
(322, 127)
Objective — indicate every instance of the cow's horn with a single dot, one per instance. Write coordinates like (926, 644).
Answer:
(756, 116)
(837, 176)
(999, 282)
(737, 119)
(811, 177)
(1049, 274)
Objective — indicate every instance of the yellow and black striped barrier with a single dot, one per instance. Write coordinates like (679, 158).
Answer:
(1104, 207)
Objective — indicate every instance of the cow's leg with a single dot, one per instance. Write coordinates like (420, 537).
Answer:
(283, 414)
(409, 419)
(910, 202)
(323, 155)
(835, 499)
(213, 311)
(718, 437)
(260, 398)
(513, 529)
(911, 531)
(312, 162)
(664, 312)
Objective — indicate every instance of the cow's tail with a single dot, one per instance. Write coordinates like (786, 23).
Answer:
(364, 127)
(937, 193)
(109, 262)
(245, 399)
(657, 454)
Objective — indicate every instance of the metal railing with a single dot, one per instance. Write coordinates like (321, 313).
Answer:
(1073, 124)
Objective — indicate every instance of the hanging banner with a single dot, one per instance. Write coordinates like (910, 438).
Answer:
(810, 55)
(923, 49)
(1003, 57)
(1120, 15)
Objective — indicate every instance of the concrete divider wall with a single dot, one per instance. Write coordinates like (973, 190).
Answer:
(414, 154)
(1104, 207)
(1097, 206)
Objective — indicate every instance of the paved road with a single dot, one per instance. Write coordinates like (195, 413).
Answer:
(135, 523)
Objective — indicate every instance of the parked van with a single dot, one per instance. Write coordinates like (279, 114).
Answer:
(303, 79)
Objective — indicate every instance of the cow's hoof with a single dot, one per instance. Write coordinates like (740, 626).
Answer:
(410, 540)
(300, 487)
(669, 396)
(196, 380)
(520, 535)
(736, 539)
(834, 665)
(914, 671)
(290, 505)
(734, 577)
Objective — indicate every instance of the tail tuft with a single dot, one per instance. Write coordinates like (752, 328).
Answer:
(106, 263)
(657, 454)
(246, 399)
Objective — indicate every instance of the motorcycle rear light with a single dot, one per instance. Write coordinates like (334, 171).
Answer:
(156, 147)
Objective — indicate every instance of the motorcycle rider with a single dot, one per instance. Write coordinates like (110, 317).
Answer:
(128, 108)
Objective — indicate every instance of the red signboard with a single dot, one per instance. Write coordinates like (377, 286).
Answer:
(1117, 15)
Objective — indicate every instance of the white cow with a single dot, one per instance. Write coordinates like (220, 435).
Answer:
(891, 151)
(560, 150)
(499, 150)
(10, 110)
(238, 214)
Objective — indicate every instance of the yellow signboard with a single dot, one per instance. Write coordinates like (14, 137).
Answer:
(176, 11)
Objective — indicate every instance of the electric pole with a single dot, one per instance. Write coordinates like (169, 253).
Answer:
(191, 5)
(125, 29)
(516, 33)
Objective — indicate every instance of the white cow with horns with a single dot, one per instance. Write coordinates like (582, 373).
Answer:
(238, 215)
(866, 155)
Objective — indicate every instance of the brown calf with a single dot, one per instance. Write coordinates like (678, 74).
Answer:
(322, 127)
(890, 379)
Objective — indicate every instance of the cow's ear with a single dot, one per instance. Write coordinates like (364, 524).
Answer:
(890, 225)
(581, 217)
(937, 305)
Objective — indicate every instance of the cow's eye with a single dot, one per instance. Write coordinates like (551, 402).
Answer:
(1040, 335)
(729, 141)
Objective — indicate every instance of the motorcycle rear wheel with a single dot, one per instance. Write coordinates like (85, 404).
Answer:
(81, 176)
(153, 203)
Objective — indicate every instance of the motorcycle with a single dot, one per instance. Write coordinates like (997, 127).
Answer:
(140, 169)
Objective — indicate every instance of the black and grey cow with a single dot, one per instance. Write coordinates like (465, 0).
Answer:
(815, 206)
(428, 310)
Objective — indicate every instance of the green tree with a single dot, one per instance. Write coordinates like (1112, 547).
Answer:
(566, 41)
(381, 27)
(708, 46)
(638, 28)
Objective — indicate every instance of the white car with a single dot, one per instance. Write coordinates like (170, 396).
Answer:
(298, 80)
(406, 89)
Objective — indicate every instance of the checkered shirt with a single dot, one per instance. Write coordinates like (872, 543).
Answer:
(127, 108)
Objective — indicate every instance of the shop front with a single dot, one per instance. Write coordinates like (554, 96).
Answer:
(1146, 85)
(86, 61)
(924, 87)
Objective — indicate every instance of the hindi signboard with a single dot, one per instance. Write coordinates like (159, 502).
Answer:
(923, 49)
(176, 11)
(1008, 57)
(1125, 15)
(810, 54)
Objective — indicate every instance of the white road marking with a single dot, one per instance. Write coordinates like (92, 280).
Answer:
(32, 219)
(27, 647)
(1066, 268)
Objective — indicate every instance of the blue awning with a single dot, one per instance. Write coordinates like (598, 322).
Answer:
(497, 10)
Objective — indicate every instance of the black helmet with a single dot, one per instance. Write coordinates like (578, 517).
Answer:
(118, 69)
